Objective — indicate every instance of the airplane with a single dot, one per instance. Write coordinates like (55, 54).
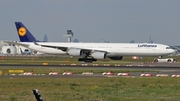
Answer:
(90, 52)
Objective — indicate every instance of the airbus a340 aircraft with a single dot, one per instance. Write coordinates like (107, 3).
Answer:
(90, 52)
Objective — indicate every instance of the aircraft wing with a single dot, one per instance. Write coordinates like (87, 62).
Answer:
(50, 46)
(66, 48)
(17, 43)
(55, 47)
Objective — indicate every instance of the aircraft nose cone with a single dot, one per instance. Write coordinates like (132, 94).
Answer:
(173, 51)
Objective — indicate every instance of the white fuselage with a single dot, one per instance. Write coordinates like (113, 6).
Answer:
(112, 49)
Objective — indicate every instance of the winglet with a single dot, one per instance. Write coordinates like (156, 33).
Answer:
(21, 51)
(36, 43)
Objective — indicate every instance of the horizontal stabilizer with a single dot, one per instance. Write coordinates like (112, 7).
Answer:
(17, 43)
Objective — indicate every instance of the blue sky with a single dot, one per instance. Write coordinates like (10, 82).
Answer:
(94, 20)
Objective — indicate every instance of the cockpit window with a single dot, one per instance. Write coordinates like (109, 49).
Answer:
(169, 47)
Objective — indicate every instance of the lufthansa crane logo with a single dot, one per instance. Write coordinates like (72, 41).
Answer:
(22, 31)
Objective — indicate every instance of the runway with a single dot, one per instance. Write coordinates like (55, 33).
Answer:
(160, 68)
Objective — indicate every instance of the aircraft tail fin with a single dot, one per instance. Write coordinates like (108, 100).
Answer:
(24, 34)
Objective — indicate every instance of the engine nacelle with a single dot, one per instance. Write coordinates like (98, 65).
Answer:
(75, 52)
(99, 55)
(116, 57)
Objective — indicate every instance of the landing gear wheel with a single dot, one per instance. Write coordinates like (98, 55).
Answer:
(169, 60)
(87, 59)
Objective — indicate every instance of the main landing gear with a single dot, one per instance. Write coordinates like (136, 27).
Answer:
(86, 59)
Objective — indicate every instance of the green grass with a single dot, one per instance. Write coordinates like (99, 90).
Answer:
(57, 60)
(85, 89)
(91, 89)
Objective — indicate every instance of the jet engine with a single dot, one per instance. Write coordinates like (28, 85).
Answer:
(75, 52)
(116, 57)
(99, 55)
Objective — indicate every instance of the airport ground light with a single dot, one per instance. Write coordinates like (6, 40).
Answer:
(41, 70)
